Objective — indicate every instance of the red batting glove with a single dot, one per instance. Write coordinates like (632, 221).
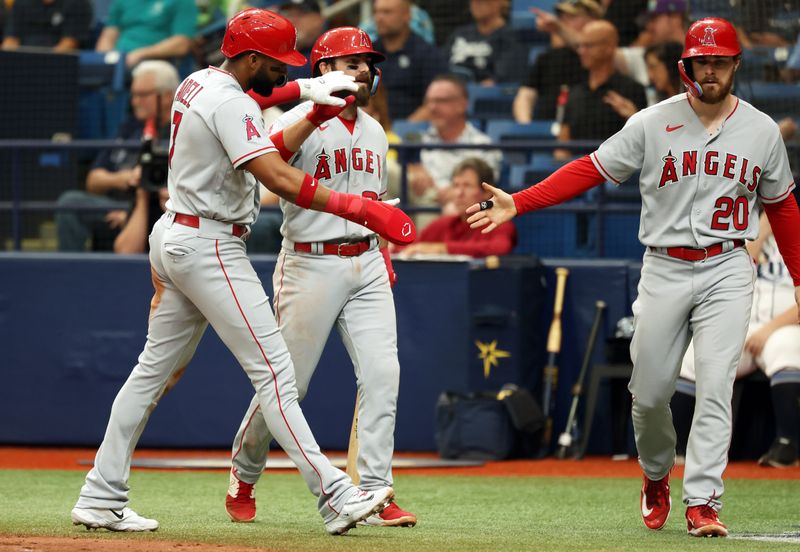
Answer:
(387, 260)
(389, 222)
(321, 113)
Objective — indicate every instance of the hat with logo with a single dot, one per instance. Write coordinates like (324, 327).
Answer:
(303, 5)
(580, 7)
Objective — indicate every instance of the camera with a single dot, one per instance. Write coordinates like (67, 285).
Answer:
(154, 160)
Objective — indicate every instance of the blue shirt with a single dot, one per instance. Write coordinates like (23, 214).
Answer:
(408, 72)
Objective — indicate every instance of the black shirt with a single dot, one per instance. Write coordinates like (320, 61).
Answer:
(499, 55)
(590, 118)
(553, 67)
(407, 74)
(36, 23)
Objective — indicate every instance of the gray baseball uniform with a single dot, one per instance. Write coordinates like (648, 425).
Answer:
(773, 294)
(699, 189)
(201, 274)
(314, 291)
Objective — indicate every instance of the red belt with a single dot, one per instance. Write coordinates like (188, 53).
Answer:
(347, 249)
(194, 221)
(692, 254)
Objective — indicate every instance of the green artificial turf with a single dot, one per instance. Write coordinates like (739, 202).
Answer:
(455, 513)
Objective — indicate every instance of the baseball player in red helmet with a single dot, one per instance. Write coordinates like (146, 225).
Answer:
(709, 163)
(218, 151)
(331, 273)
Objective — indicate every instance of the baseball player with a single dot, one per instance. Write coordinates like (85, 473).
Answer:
(772, 345)
(708, 162)
(201, 272)
(332, 272)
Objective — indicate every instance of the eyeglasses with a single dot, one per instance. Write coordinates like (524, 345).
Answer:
(143, 93)
(443, 99)
(589, 44)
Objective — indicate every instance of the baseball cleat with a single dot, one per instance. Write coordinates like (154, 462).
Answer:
(782, 454)
(112, 519)
(656, 502)
(359, 507)
(392, 516)
(240, 502)
(703, 521)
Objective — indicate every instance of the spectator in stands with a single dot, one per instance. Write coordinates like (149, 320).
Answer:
(147, 209)
(598, 108)
(115, 173)
(623, 15)
(662, 68)
(555, 25)
(421, 24)
(62, 25)
(445, 16)
(307, 18)
(487, 50)
(411, 63)
(143, 29)
(450, 234)
(447, 100)
(557, 68)
(665, 21)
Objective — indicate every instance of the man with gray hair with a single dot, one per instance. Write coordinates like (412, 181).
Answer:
(115, 173)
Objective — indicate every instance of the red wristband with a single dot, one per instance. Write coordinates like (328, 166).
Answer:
(307, 190)
(277, 141)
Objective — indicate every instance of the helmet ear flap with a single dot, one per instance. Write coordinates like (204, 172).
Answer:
(376, 79)
(687, 76)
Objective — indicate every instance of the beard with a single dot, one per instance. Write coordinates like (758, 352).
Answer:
(263, 84)
(718, 95)
(362, 95)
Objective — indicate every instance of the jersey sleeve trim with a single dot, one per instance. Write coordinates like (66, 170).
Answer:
(602, 169)
(251, 155)
(781, 197)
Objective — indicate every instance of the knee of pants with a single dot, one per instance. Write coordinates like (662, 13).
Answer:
(384, 374)
(654, 401)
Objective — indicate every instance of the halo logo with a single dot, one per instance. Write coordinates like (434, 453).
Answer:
(708, 37)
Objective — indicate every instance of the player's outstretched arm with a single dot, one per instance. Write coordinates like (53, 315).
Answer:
(288, 140)
(490, 214)
(302, 189)
(319, 90)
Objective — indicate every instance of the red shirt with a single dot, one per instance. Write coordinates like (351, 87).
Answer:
(460, 239)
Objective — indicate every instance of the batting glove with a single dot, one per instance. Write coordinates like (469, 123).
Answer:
(320, 89)
(321, 113)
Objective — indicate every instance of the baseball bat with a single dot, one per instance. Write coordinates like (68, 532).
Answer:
(566, 439)
(352, 447)
(553, 348)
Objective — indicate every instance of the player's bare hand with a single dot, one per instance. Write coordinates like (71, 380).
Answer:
(755, 342)
(622, 105)
(490, 214)
(116, 218)
(320, 90)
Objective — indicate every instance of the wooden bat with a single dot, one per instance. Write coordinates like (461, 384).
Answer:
(352, 448)
(551, 369)
(569, 436)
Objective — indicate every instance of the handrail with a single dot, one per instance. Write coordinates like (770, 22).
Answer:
(405, 151)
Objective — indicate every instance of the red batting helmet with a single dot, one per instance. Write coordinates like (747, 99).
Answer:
(342, 41)
(262, 31)
(711, 36)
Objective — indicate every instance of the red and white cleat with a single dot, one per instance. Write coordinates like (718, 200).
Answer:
(656, 502)
(703, 521)
(240, 502)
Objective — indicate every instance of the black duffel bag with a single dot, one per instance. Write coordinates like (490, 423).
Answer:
(486, 425)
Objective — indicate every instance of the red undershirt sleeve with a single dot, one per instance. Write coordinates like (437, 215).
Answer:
(284, 94)
(784, 218)
(571, 180)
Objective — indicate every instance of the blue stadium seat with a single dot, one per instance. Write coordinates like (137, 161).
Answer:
(505, 131)
(521, 16)
(774, 98)
(548, 234)
(491, 102)
(407, 130)
(621, 236)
